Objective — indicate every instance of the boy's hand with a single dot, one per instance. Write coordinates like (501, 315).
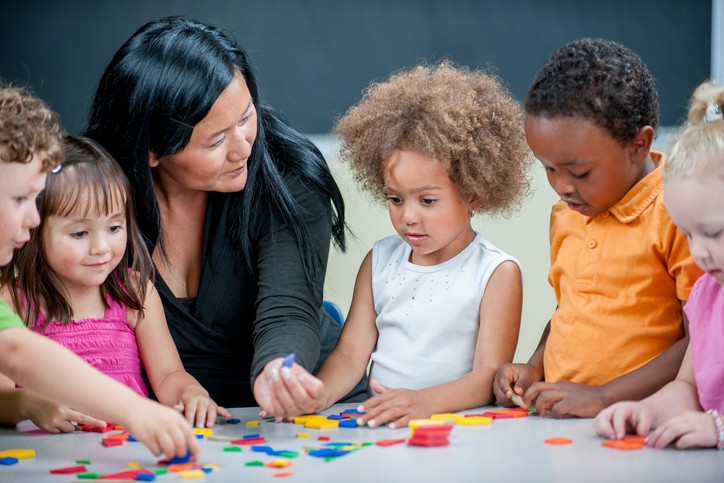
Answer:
(514, 379)
(285, 392)
(199, 409)
(624, 417)
(693, 429)
(162, 429)
(397, 405)
(565, 399)
(53, 417)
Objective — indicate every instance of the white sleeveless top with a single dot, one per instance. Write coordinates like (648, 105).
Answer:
(428, 316)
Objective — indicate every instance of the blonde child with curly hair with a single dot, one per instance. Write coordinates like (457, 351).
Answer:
(694, 196)
(436, 307)
(30, 146)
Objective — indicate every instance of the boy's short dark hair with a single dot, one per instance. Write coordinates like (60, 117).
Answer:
(28, 126)
(598, 80)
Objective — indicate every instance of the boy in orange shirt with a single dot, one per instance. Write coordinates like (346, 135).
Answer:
(620, 268)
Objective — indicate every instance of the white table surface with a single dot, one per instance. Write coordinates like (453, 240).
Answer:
(510, 450)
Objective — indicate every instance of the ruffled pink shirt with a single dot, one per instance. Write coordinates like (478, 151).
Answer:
(705, 310)
(108, 344)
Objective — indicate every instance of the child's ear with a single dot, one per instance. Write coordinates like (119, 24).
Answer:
(152, 159)
(475, 206)
(640, 145)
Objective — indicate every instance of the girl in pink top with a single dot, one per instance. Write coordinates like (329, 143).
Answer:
(686, 412)
(85, 280)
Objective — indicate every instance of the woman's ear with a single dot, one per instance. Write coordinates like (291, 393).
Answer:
(640, 145)
(152, 159)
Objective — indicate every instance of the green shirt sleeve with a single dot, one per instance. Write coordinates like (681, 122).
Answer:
(8, 318)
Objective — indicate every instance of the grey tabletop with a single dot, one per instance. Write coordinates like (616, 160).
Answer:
(510, 450)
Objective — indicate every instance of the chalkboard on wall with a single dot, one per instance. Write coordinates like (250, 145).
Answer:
(314, 57)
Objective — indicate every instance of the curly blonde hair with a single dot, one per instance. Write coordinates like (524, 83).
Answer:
(699, 151)
(462, 118)
(28, 126)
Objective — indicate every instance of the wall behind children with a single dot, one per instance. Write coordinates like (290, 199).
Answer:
(314, 57)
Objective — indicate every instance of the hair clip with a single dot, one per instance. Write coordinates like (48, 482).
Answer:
(713, 113)
(56, 169)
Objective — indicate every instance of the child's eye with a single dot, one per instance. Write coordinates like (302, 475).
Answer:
(395, 200)
(428, 201)
(713, 235)
(78, 234)
(581, 176)
(21, 199)
(115, 228)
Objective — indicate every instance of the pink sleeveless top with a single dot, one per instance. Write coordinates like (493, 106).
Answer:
(108, 344)
(705, 310)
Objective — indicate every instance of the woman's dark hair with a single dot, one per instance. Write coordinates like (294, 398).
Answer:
(162, 82)
(88, 184)
(598, 80)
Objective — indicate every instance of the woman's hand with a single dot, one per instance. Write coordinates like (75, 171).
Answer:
(285, 392)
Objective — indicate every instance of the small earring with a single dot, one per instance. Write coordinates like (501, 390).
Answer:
(472, 212)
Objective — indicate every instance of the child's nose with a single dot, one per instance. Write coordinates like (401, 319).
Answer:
(409, 215)
(698, 249)
(99, 246)
(562, 185)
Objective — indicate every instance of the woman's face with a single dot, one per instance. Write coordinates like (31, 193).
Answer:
(215, 159)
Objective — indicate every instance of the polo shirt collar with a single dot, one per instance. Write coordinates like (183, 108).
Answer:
(643, 193)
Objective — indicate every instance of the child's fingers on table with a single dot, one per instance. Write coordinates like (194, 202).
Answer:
(203, 412)
(82, 418)
(619, 421)
(662, 436)
(222, 411)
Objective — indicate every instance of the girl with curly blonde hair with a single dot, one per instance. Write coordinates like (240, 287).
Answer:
(437, 307)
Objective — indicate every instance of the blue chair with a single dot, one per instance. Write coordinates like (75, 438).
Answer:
(334, 311)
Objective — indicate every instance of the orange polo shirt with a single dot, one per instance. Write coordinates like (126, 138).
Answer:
(620, 279)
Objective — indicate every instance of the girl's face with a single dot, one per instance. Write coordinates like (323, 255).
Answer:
(425, 208)
(590, 170)
(697, 208)
(84, 249)
(215, 157)
(20, 184)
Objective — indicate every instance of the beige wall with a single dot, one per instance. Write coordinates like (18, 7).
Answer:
(524, 236)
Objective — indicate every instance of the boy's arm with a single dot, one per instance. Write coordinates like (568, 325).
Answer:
(570, 399)
(500, 311)
(40, 364)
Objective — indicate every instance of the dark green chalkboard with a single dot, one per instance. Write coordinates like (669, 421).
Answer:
(314, 57)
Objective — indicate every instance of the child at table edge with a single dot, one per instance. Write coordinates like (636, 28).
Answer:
(29, 148)
(437, 306)
(686, 412)
(620, 268)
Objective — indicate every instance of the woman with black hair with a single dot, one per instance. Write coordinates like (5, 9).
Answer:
(237, 207)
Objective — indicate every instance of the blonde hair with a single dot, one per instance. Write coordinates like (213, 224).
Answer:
(28, 127)
(462, 118)
(699, 151)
